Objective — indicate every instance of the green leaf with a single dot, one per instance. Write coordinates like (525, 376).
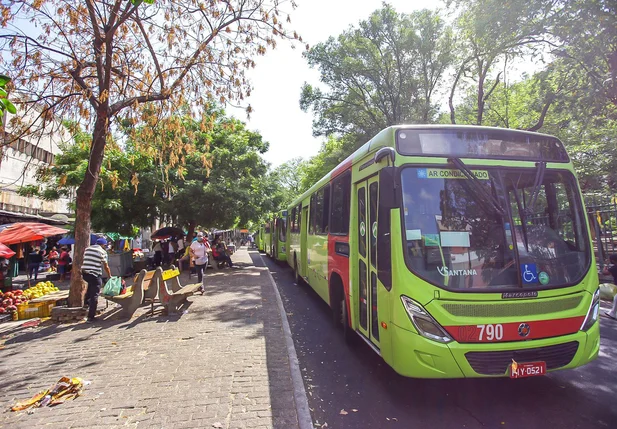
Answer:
(4, 80)
(9, 106)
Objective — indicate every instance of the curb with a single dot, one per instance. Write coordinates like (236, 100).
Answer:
(302, 407)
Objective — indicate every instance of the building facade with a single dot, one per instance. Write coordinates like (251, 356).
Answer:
(20, 159)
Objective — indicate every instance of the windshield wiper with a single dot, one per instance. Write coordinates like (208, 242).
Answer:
(477, 186)
(521, 210)
(535, 192)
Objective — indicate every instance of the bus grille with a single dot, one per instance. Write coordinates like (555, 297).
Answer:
(496, 363)
(513, 309)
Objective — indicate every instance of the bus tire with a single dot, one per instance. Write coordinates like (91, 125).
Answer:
(298, 278)
(348, 333)
(340, 315)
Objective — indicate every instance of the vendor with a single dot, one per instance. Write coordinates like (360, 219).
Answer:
(4, 268)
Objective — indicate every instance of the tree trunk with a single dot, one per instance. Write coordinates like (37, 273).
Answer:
(481, 80)
(85, 192)
(191, 231)
(459, 73)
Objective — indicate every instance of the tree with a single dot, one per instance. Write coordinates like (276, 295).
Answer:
(232, 189)
(289, 177)
(101, 61)
(492, 30)
(382, 73)
(587, 31)
(332, 152)
(118, 205)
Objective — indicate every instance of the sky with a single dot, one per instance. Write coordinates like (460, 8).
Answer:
(279, 75)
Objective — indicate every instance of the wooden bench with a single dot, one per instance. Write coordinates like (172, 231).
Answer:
(173, 298)
(149, 292)
(132, 298)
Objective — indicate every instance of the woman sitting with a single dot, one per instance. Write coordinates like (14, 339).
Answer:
(219, 251)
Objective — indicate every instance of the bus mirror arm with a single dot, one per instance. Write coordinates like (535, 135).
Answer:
(385, 152)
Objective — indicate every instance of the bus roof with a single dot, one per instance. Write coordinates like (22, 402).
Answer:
(386, 138)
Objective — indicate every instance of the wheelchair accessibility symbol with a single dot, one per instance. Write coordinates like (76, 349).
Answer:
(529, 273)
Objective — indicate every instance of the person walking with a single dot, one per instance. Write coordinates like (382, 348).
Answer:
(199, 255)
(158, 253)
(63, 262)
(612, 270)
(34, 262)
(95, 259)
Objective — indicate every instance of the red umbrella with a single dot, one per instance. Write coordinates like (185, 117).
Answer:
(5, 252)
(23, 232)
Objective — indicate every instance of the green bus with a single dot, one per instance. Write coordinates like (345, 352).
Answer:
(279, 237)
(258, 237)
(266, 241)
(454, 251)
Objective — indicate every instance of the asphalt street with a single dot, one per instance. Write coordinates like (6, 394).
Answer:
(351, 387)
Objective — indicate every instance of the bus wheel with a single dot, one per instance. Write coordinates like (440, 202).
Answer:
(297, 276)
(348, 333)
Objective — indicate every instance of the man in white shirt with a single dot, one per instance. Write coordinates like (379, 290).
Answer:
(199, 255)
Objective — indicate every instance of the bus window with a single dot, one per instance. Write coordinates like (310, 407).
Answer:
(299, 223)
(371, 230)
(362, 221)
(283, 229)
(311, 225)
(452, 240)
(325, 211)
(550, 233)
(292, 220)
(339, 213)
(319, 205)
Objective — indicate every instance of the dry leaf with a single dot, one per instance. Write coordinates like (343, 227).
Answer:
(343, 413)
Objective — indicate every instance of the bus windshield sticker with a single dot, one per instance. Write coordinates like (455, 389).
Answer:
(444, 173)
(374, 228)
(455, 239)
(431, 240)
(414, 234)
(543, 278)
(362, 229)
(447, 272)
(529, 273)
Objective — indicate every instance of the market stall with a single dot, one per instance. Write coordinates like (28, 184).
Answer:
(21, 233)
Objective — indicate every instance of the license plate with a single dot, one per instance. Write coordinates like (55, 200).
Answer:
(527, 369)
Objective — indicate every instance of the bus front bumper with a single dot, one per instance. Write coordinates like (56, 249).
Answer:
(418, 357)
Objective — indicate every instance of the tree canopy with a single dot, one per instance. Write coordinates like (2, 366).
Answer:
(106, 62)
(474, 67)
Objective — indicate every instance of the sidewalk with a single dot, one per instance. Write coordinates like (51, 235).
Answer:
(223, 363)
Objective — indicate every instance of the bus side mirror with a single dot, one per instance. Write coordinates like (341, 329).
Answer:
(388, 200)
(388, 195)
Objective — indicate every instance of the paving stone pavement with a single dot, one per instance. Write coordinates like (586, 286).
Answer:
(223, 363)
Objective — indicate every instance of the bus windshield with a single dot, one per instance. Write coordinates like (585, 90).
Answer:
(455, 240)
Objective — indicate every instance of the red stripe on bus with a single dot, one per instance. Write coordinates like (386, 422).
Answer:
(516, 331)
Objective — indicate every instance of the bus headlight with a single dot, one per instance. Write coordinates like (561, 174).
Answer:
(424, 323)
(592, 313)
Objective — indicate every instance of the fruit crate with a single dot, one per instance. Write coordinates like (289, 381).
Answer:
(34, 309)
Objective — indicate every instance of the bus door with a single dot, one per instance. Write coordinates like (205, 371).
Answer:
(366, 298)
(302, 264)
